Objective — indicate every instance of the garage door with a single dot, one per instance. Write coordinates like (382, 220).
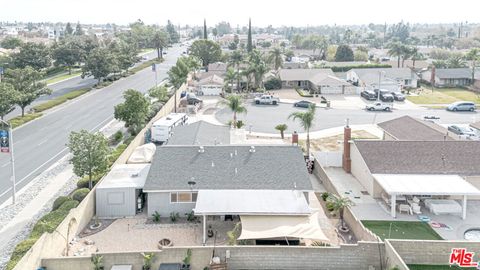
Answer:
(331, 90)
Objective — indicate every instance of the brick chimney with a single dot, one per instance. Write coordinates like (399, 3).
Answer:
(346, 160)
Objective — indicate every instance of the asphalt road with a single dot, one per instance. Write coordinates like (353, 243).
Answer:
(264, 118)
(64, 87)
(41, 143)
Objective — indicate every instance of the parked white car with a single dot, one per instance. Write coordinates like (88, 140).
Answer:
(379, 106)
(267, 99)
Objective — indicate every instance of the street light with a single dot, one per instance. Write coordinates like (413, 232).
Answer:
(379, 81)
(9, 146)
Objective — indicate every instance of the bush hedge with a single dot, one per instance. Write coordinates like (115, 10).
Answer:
(68, 205)
(80, 194)
(59, 100)
(59, 201)
(347, 68)
(19, 251)
(116, 153)
(83, 182)
(273, 83)
(19, 120)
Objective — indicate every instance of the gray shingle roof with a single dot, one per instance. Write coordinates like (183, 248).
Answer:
(304, 74)
(268, 168)
(200, 133)
(453, 73)
(407, 128)
(370, 75)
(421, 157)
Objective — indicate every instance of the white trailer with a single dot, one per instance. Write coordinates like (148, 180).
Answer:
(162, 129)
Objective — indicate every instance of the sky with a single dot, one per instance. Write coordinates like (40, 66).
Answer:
(262, 12)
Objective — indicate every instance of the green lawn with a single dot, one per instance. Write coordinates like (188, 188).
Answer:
(437, 267)
(444, 96)
(402, 230)
(62, 77)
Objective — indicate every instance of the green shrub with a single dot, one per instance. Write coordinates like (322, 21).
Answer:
(330, 206)
(325, 195)
(273, 83)
(48, 223)
(68, 205)
(174, 216)
(240, 124)
(80, 194)
(128, 140)
(59, 201)
(19, 251)
(156, 216)
(59, 100)
(83, 182)
(19, 120)
(116, 138)
(116, 153)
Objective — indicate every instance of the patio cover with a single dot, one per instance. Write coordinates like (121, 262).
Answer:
(251, 202)
(425, 184)
(265, 227)
(142, 154)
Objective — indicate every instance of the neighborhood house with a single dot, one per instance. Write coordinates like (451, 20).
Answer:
(319, 81)
(393, 79)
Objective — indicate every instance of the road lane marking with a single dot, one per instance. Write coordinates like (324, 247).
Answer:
(42, 142)
(5, 165)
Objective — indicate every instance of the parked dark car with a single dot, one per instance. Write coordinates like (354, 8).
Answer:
(192, 99)
(398, 96)
(385, 95)
(368, 95)
(303, 104)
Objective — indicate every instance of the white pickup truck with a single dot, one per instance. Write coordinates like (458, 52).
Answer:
(379, 106)
(267, 99)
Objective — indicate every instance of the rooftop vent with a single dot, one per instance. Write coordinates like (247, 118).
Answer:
(201, 149)
(236, 152)
(231, 155)
(252, 149)
(236, 171)
(213, 164)
(133, 175)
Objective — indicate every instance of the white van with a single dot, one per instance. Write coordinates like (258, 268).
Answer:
(162, 129)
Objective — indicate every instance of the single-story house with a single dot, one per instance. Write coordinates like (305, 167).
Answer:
(320, 81)
(218, 67)
(252, 182)
(295, 65)
(200, 133)
(393, 79)
(119, 194)
(211, 85)
(440, 172)
(407, 128)
(449, 77)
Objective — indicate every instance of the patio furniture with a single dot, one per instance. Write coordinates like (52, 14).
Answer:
(443, 206)
(405, 208)
(415, 208)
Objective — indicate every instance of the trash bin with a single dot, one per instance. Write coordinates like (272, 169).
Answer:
(328, 103)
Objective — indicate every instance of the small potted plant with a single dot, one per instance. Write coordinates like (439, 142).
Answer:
(210, 231)
(148, 259)
(186, 261)
(97, 261)
(338, 205)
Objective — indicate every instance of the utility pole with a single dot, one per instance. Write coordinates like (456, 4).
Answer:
(6, 146)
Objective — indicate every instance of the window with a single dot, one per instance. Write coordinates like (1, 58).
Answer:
(183, 197)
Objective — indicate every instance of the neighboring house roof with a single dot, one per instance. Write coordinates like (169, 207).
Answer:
(476, 125)
(407, 128)
(200, 133)
(321, 77)
(408, 63)
(453, 73)
(218, 66)
(421, 157)
(228, 167)
(342, 64)
(371, 75)
(212, 79)
(290, 65)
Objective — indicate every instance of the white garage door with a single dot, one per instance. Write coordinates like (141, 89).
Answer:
(211, 90)
(331, 90)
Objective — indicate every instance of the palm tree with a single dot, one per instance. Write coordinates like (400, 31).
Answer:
(236, 58)
(415, 55)
(338, 205)
(306, 121)
(258, 67)
(230, 76)
(473, 55)
(456, 62)
(406, 53)
(247, 73)
(276, 58)
(396, 49)
(234, 103)
(281, 128)
(160, 41)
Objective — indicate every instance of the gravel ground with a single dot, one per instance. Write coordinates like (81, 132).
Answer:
(9, 212)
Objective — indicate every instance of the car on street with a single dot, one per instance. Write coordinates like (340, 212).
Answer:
(267, 99)
(303, 104)
(385, 95)
(462, 106)
(368, 95)
(379, 106)
(462, 130)
(398, 96)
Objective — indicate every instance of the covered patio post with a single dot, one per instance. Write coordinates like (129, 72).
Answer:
(204, 229)
(464, 207)
(393, 202)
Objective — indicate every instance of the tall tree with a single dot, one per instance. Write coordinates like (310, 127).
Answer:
(456, 62)
(306, 121)
(134, 111)
(172, 33)
(79, 30)
(276, 58)
(28, 85)
(473, 55)
(67, 53)
(344, 54)
(89, 154)
(249, 38)
(207, 51)
(99, 64)
(235, 104)
(258, 66)
(11, 43)
(230, 76)
(35, 55)
(125, 55)
(160, 41)
(215, 33)
(396, 49)
(68, 29)
(7, 102)
(236, 58)
(177, 75)
(416, 54)
(205, 33)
